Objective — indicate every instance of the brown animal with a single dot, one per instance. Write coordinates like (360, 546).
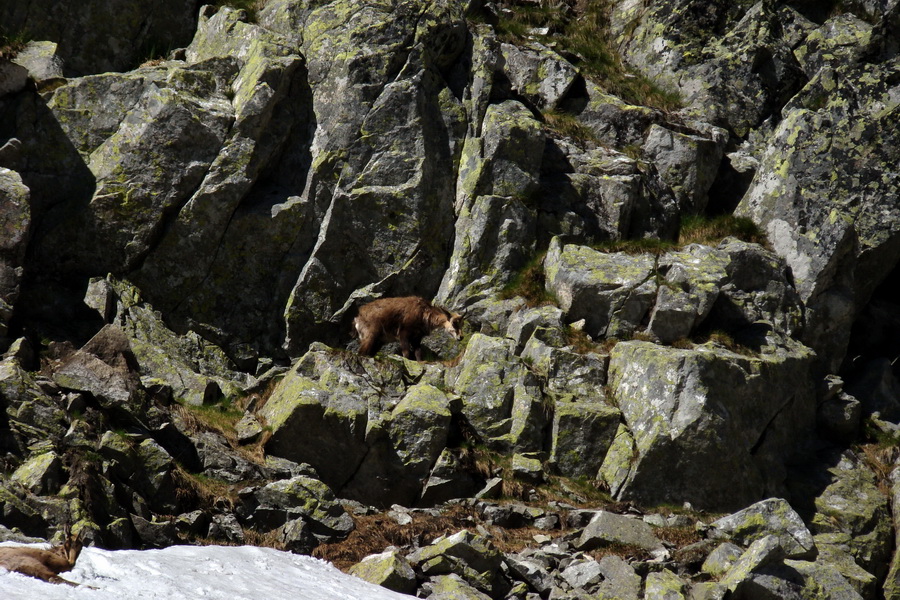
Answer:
(43, 564)
(406, 320)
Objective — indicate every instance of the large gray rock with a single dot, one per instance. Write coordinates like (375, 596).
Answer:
(853, 512)
(388, 569)
(109, 35)
(611, 292)
(823, 581)
(41, 60)
(468, 555)
(538, 74)
(301, 497)
(523, 323)
(15, 229)
(582, 574)
(829, 207)
(106, 368)
(688, 163)
(619, 579)
(664, 585)
(41, 474)
(698, 49)
(769, 517)
(674, 403)
(301, 412)
(453, 587)
(403, 445)
(837, 558)
(582, 433)
(197, 371)
(142, 174)
(227, 210)
(389, 437)
(596, 194)
(728, 287)
(486, 380)
(607, 528)
(763, 552)
(615, 122)
(383, 149)
(448, 480)
(842, 38)
(892, 581)
(531, 571)
(286, 132)
(495, 226)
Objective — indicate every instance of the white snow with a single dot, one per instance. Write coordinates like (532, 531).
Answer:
(195, 573)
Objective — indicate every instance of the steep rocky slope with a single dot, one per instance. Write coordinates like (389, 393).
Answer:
(675, 296)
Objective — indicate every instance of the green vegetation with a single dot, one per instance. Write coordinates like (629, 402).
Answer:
(12, 44)
(569, 126)
(694, 229)
(581, 30)
(727, 341)
(637, 246)
(698, 229)
(580, 341)
(530, 283)
(220, 417)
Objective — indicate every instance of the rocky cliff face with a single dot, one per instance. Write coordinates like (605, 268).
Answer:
(688, 304)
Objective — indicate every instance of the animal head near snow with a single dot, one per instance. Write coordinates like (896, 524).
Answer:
(406, 320)
(43, 564)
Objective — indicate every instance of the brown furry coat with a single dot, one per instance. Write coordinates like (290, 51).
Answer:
(40, 563)
(406, 320)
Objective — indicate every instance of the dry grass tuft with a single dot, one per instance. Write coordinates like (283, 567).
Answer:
(264, 539)
(221, 419)
(530, 284)
(683, 344)
(11, 45)
(638, 246)
(374, 533)
(580, 341)
(725, 340)
(515, 540)
(881, 458)
(199, 490)
(696, 229)
(580, 30)
(568, 125)
(679, 537)
(626, 551)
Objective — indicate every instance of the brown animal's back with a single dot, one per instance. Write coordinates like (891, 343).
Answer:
(395, 314)
(407, 319)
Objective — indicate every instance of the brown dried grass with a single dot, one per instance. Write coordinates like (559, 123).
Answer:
(374, 533)
(679, 537)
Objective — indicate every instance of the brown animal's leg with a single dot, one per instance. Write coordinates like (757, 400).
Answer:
(404, 346)
(368, 347)
(58, 579)
(416, 344)
(38, 570)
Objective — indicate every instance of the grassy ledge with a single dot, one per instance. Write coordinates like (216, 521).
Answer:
(580, 32)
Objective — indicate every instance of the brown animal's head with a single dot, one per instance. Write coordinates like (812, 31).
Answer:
(71, 548)
(453, 325)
